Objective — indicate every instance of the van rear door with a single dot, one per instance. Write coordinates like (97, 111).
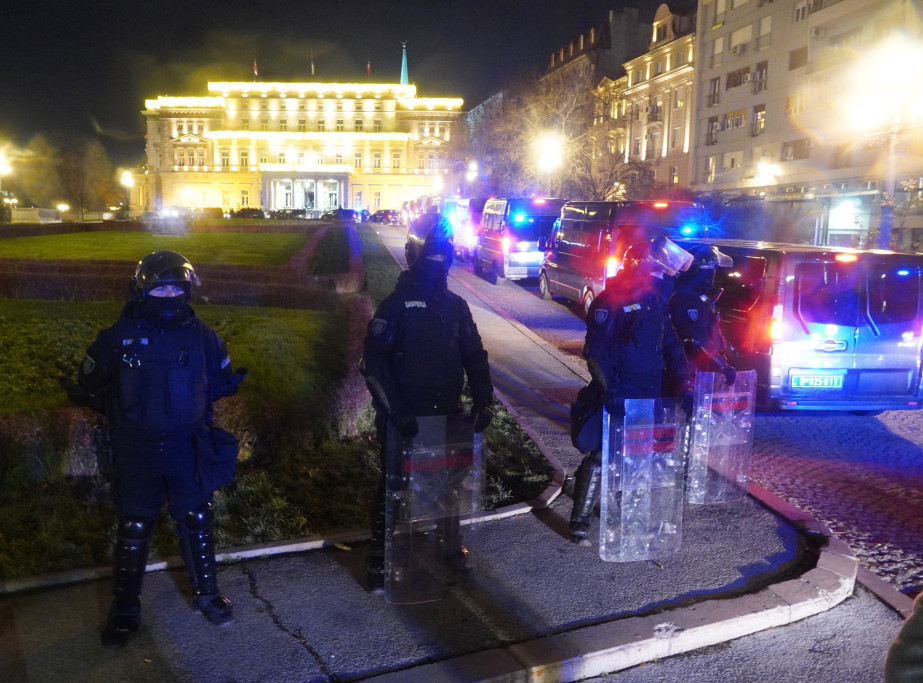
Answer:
(888, 347)
(852, 336)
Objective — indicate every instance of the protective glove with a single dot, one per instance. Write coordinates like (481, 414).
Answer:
(234, 381)
(482, 417)
(76, 393)
(405, 422)
(730, 374)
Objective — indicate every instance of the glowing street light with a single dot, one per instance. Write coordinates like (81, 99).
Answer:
(889, 97)
(549, 154)
(128, 182)
(472, 172)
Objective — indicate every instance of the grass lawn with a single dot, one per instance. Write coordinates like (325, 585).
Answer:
(295, 478)
(239, 248)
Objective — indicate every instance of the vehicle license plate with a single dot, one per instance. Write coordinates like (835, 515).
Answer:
(817, 381)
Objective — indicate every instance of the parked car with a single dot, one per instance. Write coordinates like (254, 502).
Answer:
(825, 328)
(587, 242)
(386, 216)
(509, 235)
(346, 215)
(249, 212)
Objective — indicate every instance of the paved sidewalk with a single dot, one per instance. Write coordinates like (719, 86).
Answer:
(537, 608)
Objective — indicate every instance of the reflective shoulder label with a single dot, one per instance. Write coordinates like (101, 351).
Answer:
(631, 307)
(415, 304)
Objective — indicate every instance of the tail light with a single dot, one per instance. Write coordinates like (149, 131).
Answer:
(776, 326)
(507, 243)
(612, 266)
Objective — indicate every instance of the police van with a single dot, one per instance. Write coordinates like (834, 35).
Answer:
(825, 328)
(508, 243)
(589, 238)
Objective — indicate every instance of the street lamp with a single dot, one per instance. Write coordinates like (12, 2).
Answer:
(548, 154)
(128, 182)
(891, 77)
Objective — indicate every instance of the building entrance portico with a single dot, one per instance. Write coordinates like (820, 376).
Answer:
(315, 193)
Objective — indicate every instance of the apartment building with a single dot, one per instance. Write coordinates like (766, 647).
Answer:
(656, 107)
(798, 103)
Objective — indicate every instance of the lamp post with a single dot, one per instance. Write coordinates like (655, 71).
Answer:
(128, 182)
(549, 155)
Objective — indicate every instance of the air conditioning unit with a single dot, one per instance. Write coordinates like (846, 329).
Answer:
(817, 32)
(739, 49)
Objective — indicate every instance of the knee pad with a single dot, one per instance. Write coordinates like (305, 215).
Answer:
(200, 518)
(135, 529)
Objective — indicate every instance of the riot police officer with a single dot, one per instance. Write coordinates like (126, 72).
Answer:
(695, 315)
(154, 374)
(631, 351)
(421, 345)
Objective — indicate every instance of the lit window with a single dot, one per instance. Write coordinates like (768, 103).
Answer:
(357, 160)
(357, 125)
(376, 160)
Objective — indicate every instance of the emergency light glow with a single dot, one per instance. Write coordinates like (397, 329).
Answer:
(846, 258)
(903, 272)
(661, 205)
(538, 200)
(612, 266)
(688, 230)
(507, 243)
(519, 217)
(775, 327)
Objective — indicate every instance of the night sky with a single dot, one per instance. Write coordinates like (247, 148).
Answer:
(88, 66)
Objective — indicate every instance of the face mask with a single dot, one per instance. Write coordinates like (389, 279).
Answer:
(165, 309)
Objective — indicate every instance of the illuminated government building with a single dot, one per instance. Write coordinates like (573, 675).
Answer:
(312, 146)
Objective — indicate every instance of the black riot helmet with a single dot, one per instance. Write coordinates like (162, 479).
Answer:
(439, 243)
(656, 255)
(706, 259)
(162, 268)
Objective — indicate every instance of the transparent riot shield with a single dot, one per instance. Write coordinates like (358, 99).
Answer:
(434, 493)
(643, 463)
(721, 438)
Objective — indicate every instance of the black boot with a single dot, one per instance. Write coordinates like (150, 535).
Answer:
(450, 550)
(198, 549)
(586, 495)
(130, 561)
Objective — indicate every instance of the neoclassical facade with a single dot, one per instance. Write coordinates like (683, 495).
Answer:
(312, 146)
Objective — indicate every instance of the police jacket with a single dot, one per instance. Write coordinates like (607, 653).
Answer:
(156, 382)
(697, 323)
(420, 345)
(631, 346)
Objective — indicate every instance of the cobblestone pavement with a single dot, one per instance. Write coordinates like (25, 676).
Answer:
(862, 476)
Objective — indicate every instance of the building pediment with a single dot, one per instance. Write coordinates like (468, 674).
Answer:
(188, 139)
(431, 140)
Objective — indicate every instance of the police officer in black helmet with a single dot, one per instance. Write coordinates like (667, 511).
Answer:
(631, 351)
(695, 314)
(421, 345)
(155, 374)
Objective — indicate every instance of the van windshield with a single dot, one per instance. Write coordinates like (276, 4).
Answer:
(838, 293)
(531, 219)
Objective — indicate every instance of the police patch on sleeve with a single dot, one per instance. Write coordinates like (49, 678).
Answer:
(600, 315)
(379, 325)
(86, 367)
(693, 314)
